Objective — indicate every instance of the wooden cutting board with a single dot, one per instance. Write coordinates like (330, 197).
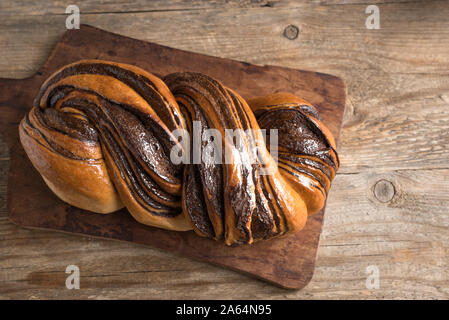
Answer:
(288, 262)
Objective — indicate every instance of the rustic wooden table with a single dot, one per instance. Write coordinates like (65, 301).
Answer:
(388, 210)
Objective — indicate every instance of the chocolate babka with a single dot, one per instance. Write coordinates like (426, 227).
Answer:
(104, 135)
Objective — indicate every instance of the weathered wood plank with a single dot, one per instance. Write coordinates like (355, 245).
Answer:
(256, 35)
(406, 238)
(396, 122)
(30, 7)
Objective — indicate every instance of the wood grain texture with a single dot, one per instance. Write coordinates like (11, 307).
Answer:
(396, 129)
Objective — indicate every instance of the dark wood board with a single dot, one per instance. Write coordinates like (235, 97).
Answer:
(287, 262)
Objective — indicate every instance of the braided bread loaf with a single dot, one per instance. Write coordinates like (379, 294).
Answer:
(101, 135)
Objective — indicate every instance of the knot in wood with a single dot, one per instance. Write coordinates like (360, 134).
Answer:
(291, 32)
(384, 191)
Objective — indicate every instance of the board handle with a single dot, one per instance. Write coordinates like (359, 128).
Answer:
(12, 109)
(6, 85)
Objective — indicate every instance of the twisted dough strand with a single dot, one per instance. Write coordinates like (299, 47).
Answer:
(100, 134)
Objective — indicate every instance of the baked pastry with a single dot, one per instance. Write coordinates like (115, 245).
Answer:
(102, 135)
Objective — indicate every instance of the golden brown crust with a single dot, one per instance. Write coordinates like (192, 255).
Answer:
(310, 166)
(255, 206)
(63, 175)
(100, 134)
